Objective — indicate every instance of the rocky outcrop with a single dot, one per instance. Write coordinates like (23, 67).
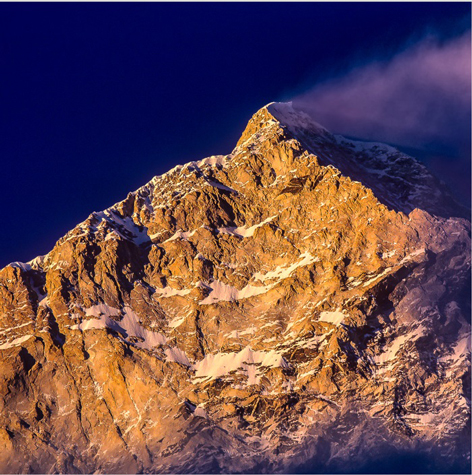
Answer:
(301, 304)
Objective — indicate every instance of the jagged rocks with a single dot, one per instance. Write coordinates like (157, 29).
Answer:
(288, 307)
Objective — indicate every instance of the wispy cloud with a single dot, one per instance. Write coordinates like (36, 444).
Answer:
(420, 97)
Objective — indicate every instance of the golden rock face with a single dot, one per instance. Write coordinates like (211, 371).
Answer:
(299, 304)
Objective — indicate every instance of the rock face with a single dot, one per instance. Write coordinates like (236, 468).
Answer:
(300, 305)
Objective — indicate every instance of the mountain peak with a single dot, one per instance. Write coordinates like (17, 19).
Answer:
(397, 179)
(280, 114)
(294, 119)
(259, 311)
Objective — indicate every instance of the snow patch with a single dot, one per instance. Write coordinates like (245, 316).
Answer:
(244, 232)
(179, 235)
(200, 412)
(220, 364)
(211, 161)
(226, 293)
(123, 227)
(171, 292)
(221, 186)
(335, 317)
(410, 256)
(20, 265)
(361, 146)
(176, 355)
(282, 272)
(391, 351)
(388, 254)
(15, 342)
(461, 349)
(102, 309)
(176, 322)
(9, 329)
(129, 326)
(37, 262)
(377, 277)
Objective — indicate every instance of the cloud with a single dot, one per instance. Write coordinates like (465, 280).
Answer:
(420, 97)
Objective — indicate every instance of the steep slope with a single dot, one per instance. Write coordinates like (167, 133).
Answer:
(298, 305)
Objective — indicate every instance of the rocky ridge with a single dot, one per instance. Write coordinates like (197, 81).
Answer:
(300, 304)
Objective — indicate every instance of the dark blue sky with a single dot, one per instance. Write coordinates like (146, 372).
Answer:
(97, 98)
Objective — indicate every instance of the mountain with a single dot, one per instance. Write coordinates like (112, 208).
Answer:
(299, 305)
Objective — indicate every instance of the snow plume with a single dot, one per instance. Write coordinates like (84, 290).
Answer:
(419, 98)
